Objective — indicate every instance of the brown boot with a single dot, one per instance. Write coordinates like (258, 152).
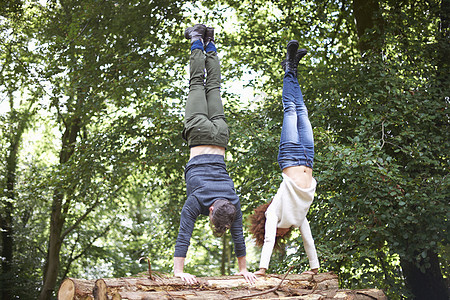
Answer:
(195, 33)
(209, 35)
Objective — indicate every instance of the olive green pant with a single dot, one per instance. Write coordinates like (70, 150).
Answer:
(204, 119)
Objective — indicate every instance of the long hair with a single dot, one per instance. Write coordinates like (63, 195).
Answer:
(258, 228)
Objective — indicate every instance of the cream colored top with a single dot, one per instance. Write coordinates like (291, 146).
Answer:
(289, 208)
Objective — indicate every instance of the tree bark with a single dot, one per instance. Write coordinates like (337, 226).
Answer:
(57, 217)
(6, 217)
(76, 289)
(224, 255)
(424, 279)
(369, 25)
(320, 286)
(6, 220)
(152, 289)
(428, 284)
(54, 247)
(244, 294)
(443, 39)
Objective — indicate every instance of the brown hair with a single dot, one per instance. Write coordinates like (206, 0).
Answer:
(223, 216)
(258, 224)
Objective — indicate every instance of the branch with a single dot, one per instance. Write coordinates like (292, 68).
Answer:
(71, 258)
(155, 278)
(34, 79)
(338, 25)
(150, 274)
(78, 221)
(208, 249)
(81, 218)
(268, 291)
(83, 252)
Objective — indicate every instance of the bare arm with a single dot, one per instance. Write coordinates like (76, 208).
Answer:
(242, 264)
(178, 266)
(189, 214)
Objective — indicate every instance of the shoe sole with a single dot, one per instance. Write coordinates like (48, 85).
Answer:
(292, 44)
(187, 32)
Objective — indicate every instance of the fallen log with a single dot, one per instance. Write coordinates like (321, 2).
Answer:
(246, 294)
(106, 287)
(188, 294)
(295, 286)
(76, 289)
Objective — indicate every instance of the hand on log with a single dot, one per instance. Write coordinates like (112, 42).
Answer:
(188, 278)
(249, 276)
(311, 272)
(261, 271)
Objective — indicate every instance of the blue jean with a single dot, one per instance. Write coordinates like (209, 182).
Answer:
(297, 141)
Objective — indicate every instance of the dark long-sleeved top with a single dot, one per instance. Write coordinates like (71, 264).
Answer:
(207, 180)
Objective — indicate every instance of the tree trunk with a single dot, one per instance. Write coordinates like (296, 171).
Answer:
(369, 25)
(6, 220)
(224, 255)
(443, 45)
(425, 285)
(6, 217)
(430, 284)
(54, 247)
(57, 217)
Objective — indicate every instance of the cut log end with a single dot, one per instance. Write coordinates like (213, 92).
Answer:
(76, 289)
(100, 290)
(66, 290)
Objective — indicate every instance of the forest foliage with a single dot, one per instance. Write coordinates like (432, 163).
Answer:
(92, 159)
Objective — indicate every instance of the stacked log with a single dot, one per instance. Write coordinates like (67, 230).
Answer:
(320, 286)
(76, 289)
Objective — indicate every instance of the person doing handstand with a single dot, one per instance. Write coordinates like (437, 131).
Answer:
(210, 190)
(274, 220)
